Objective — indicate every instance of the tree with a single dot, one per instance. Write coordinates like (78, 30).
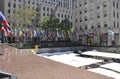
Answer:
(49, 23)
(65, 25)
(24, 16)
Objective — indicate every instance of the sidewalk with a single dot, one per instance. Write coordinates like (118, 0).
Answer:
(28, 66)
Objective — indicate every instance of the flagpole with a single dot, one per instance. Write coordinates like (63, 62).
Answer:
(2, 35)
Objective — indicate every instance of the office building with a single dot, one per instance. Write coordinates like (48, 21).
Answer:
(97, 22)
(43, 7)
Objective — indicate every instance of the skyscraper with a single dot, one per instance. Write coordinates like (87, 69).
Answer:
(93, 18)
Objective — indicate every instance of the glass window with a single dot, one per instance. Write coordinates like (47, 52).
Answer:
(58, 15)
(8, 10)
(85, 10)
(113, 13)
(98, 15)
(80, 12)
(86, 26)
(76, 20)
(113, 3)
(80, 19)
(117, 15)
(43, 14)
(114, 23)
(85, 2)
(14, 5)
(43, 8)
(98, 24)
(105, 4)
(9, 4)
(47, 9)
(85, 18)
(105, 24)
(105, 13)
(91, 0)
(117, 24)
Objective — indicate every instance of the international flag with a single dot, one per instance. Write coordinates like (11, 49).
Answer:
(7, 28)
(110, 32)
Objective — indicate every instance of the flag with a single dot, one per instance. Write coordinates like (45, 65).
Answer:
(110, 32)
(4, 21)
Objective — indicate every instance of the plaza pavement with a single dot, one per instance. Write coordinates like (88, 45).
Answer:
(28, 66)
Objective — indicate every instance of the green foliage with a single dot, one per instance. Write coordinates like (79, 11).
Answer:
(66, 25)
(24, 15)
(49, 23)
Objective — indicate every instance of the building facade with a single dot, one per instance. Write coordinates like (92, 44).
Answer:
(43, 7)
(97, 22)
(63, 9)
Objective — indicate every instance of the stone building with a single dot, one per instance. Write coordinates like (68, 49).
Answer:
(97, 22)
(43, 7)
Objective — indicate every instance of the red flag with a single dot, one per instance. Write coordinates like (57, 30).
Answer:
(4, 21)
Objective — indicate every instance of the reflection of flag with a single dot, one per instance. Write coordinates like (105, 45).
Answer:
(4, 21)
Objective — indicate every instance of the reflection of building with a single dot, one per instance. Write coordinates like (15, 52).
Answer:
(97, 16)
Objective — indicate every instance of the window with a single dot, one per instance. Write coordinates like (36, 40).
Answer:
(48, 9)
(62, 15)
(98, 15)
(85, 18)
(85, 2)
(43, 14)
(117, 5)
(80, 12)
(80, 4)
(86, 27)
(8, 10)
(76, 20)
(80, 19)
(105, 4)
(14, 5)
(47, 14)
(117, 24)
(92, 26)
(98, 24)
(113, 13)
(80, 28)
(43, 8)
(117, 15)
(105, 24)
(98, 7)
(65, 16)
(85, 10)
(91, 0)
(114, 23)
(113, 3)
(105, 13)
(9, 4)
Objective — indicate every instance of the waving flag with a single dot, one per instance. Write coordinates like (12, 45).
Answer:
(4, 21)
(110, 32)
